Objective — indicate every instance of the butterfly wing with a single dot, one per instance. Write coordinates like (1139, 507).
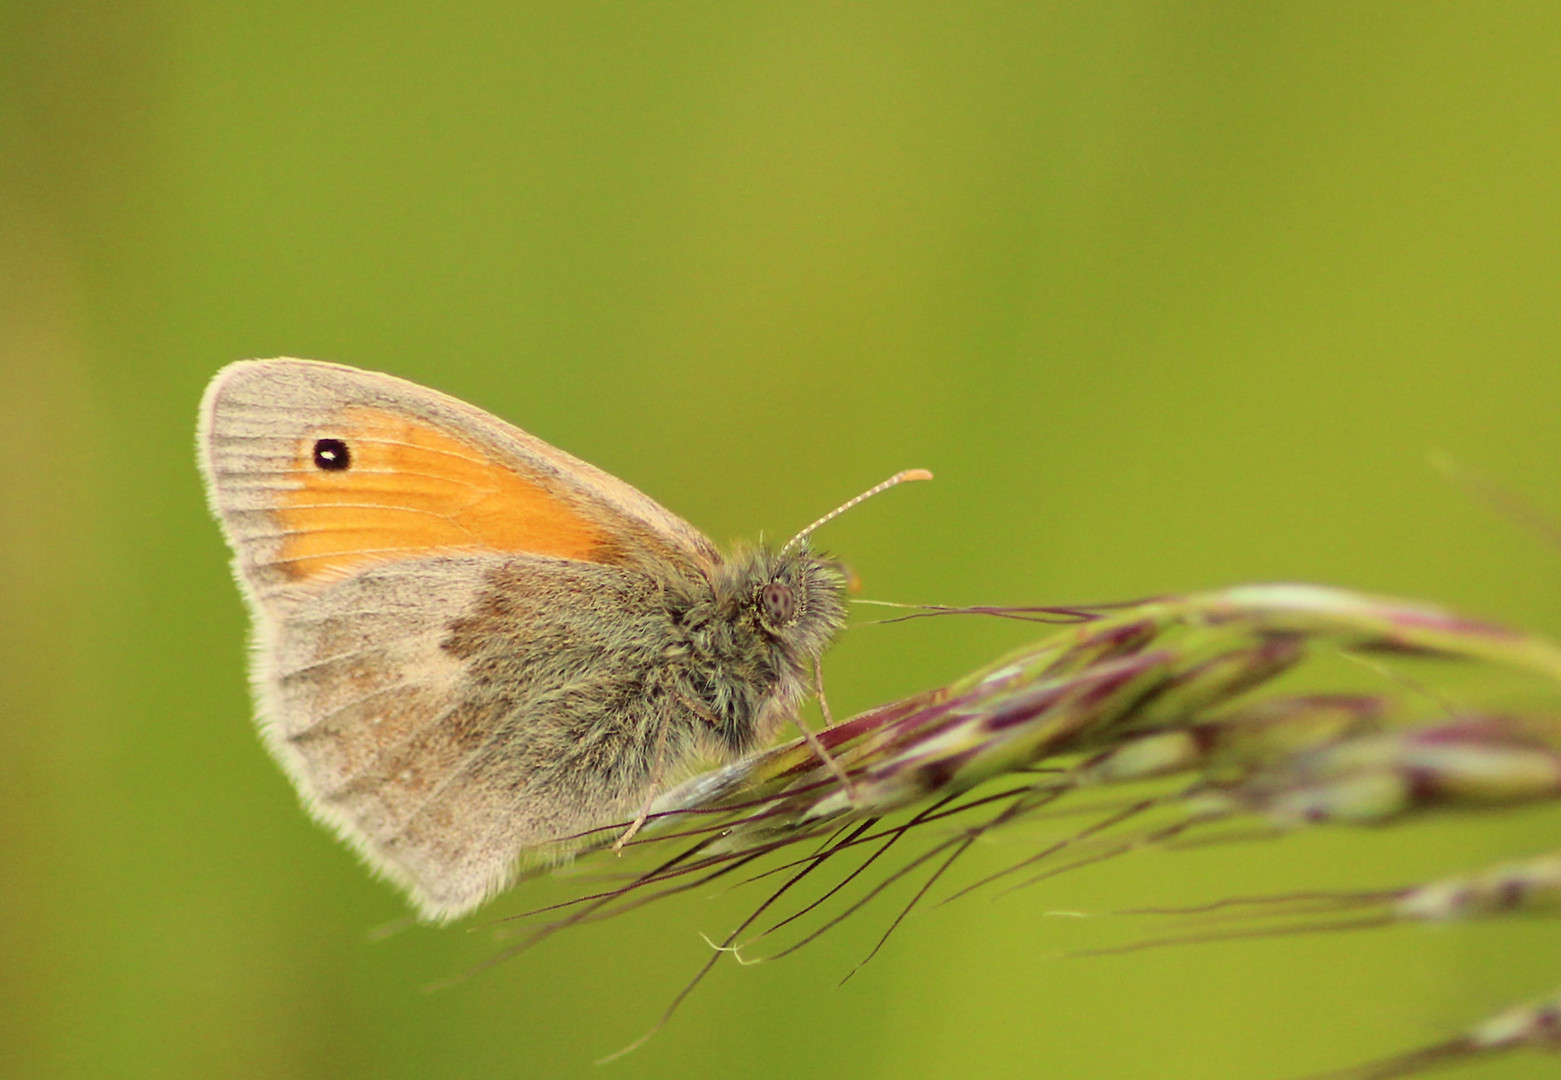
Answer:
(456, 624)
(417, 471)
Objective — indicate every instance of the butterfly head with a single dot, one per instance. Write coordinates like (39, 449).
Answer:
(796, 597)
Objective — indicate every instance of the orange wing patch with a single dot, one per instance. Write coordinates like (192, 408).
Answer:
(409, 489)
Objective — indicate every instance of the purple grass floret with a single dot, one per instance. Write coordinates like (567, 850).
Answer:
(1182, 706)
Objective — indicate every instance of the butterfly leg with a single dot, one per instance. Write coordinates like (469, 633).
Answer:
(657, 768)
(829, 721)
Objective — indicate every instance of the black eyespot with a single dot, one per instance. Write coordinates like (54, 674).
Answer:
(331, 455)
(779, 602)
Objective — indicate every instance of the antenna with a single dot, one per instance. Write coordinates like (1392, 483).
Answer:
(897, 478)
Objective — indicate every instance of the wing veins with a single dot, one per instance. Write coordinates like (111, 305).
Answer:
(326, 718)
(222, 436)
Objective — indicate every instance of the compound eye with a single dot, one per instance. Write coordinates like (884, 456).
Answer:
(779, 602)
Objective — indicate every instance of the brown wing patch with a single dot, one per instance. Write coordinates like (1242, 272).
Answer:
(409, 489)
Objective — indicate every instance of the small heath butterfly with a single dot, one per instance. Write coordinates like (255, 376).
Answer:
(468, 644)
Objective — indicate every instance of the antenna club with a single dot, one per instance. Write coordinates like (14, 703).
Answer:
(897, 478)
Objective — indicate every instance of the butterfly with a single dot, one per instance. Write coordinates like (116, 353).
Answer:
(469, 646)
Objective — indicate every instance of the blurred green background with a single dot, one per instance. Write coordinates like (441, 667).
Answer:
(1168, 296)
